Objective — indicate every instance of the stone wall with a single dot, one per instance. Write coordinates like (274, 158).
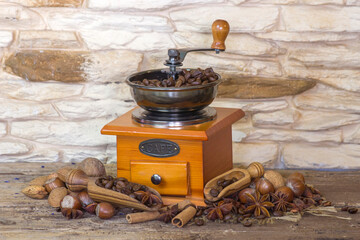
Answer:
(292, 65)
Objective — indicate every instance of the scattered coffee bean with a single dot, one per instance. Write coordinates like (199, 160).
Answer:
(352, 210)
(262, 216)
(344, 208)
(228, 218)
(199, 221)
(240, 219)
(278, 213)
(247, 223)
(214, 192)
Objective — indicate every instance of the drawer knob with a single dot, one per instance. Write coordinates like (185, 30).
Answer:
(156, 179)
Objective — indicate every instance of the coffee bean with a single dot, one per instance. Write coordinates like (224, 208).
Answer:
(199, 221)
(247, 223)
(240, 219)
(228, 217)
(352, 210)
(214, 192)
(278, 213)
(344, 208)
(262, 216)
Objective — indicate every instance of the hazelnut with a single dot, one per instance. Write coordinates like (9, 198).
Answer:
(264, 186)
(70, 202)
(297, 175)
(53, 183)
(242, 194)
(296, 185)
(105, 210)
(288, 193)
(85, 199)
(92, 167)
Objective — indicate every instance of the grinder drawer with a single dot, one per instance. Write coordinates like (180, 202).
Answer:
(174, 177)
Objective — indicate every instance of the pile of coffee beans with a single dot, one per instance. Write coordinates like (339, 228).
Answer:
(185, 78)
(220, 185)
(121, 185)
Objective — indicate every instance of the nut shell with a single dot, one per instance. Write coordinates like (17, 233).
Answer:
(264, 186)
(70, 202)
(296, 185)
(52, 175)
(53, 183)
(105, 210)
(297, 175)
(56, 196)
(40, 181)
(35, 191)
(92, 167)
(242, 194)
(275, 178)
(63, 172)
(85, 199)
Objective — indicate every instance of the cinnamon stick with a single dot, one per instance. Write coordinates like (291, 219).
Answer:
(181, 205)
(185, 216)
(141, 217)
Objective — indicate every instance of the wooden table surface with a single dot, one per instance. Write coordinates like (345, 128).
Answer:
(25, 218)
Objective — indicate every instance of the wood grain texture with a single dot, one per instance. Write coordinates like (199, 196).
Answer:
(174, 176)
(25, 218)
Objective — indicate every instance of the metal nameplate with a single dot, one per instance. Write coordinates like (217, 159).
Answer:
(159, 148)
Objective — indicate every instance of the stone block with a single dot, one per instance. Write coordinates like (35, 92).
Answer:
(243, 44)
(75, 155)
(6, 38)
(119, 91)
(233, 64)
(265, 153)
(317, 120)
(72, 19)
(111, 66)
(339, 78)
(144, 5)
(324, 156)
(48, 39)
(283, 117)
(49, 3)
(2, 129)
(84, 109)
(37, 155)
(106, 39)
(261, 87)
(251, 106)
(341, 56)
(16, 17)
(36, 91)
(327, 98)
(38, 65)
(241, 18)
(320, 18)
(151, 42)
(351, 134)
(65, 133)
(111, 152)
(19, 109)
(284, 135)
(13, 148)
(285, 36)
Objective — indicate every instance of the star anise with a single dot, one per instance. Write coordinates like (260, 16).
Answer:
(168, 214)
(258, 204)
(70, 213)
(220, 210)
(280, 201)
(147, 198)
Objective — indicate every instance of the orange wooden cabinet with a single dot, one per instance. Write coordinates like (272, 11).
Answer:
(198, 154)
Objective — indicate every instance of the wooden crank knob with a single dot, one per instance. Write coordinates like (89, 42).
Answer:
(220, 29)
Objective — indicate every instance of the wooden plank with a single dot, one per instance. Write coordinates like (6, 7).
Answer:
(25, 218)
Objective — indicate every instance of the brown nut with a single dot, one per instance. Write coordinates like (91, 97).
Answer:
(105, 210)
(264, 186)
(288, 193)
(40, 181)
(70, 202)
(92, 167)
(52, 175)
(53, 183)
(243, 197)
(91, 208)
(35, 191)
(275, 178)
(297, 175)
(63, 172)
(56, 196)
(85, 199)
(296, 185)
